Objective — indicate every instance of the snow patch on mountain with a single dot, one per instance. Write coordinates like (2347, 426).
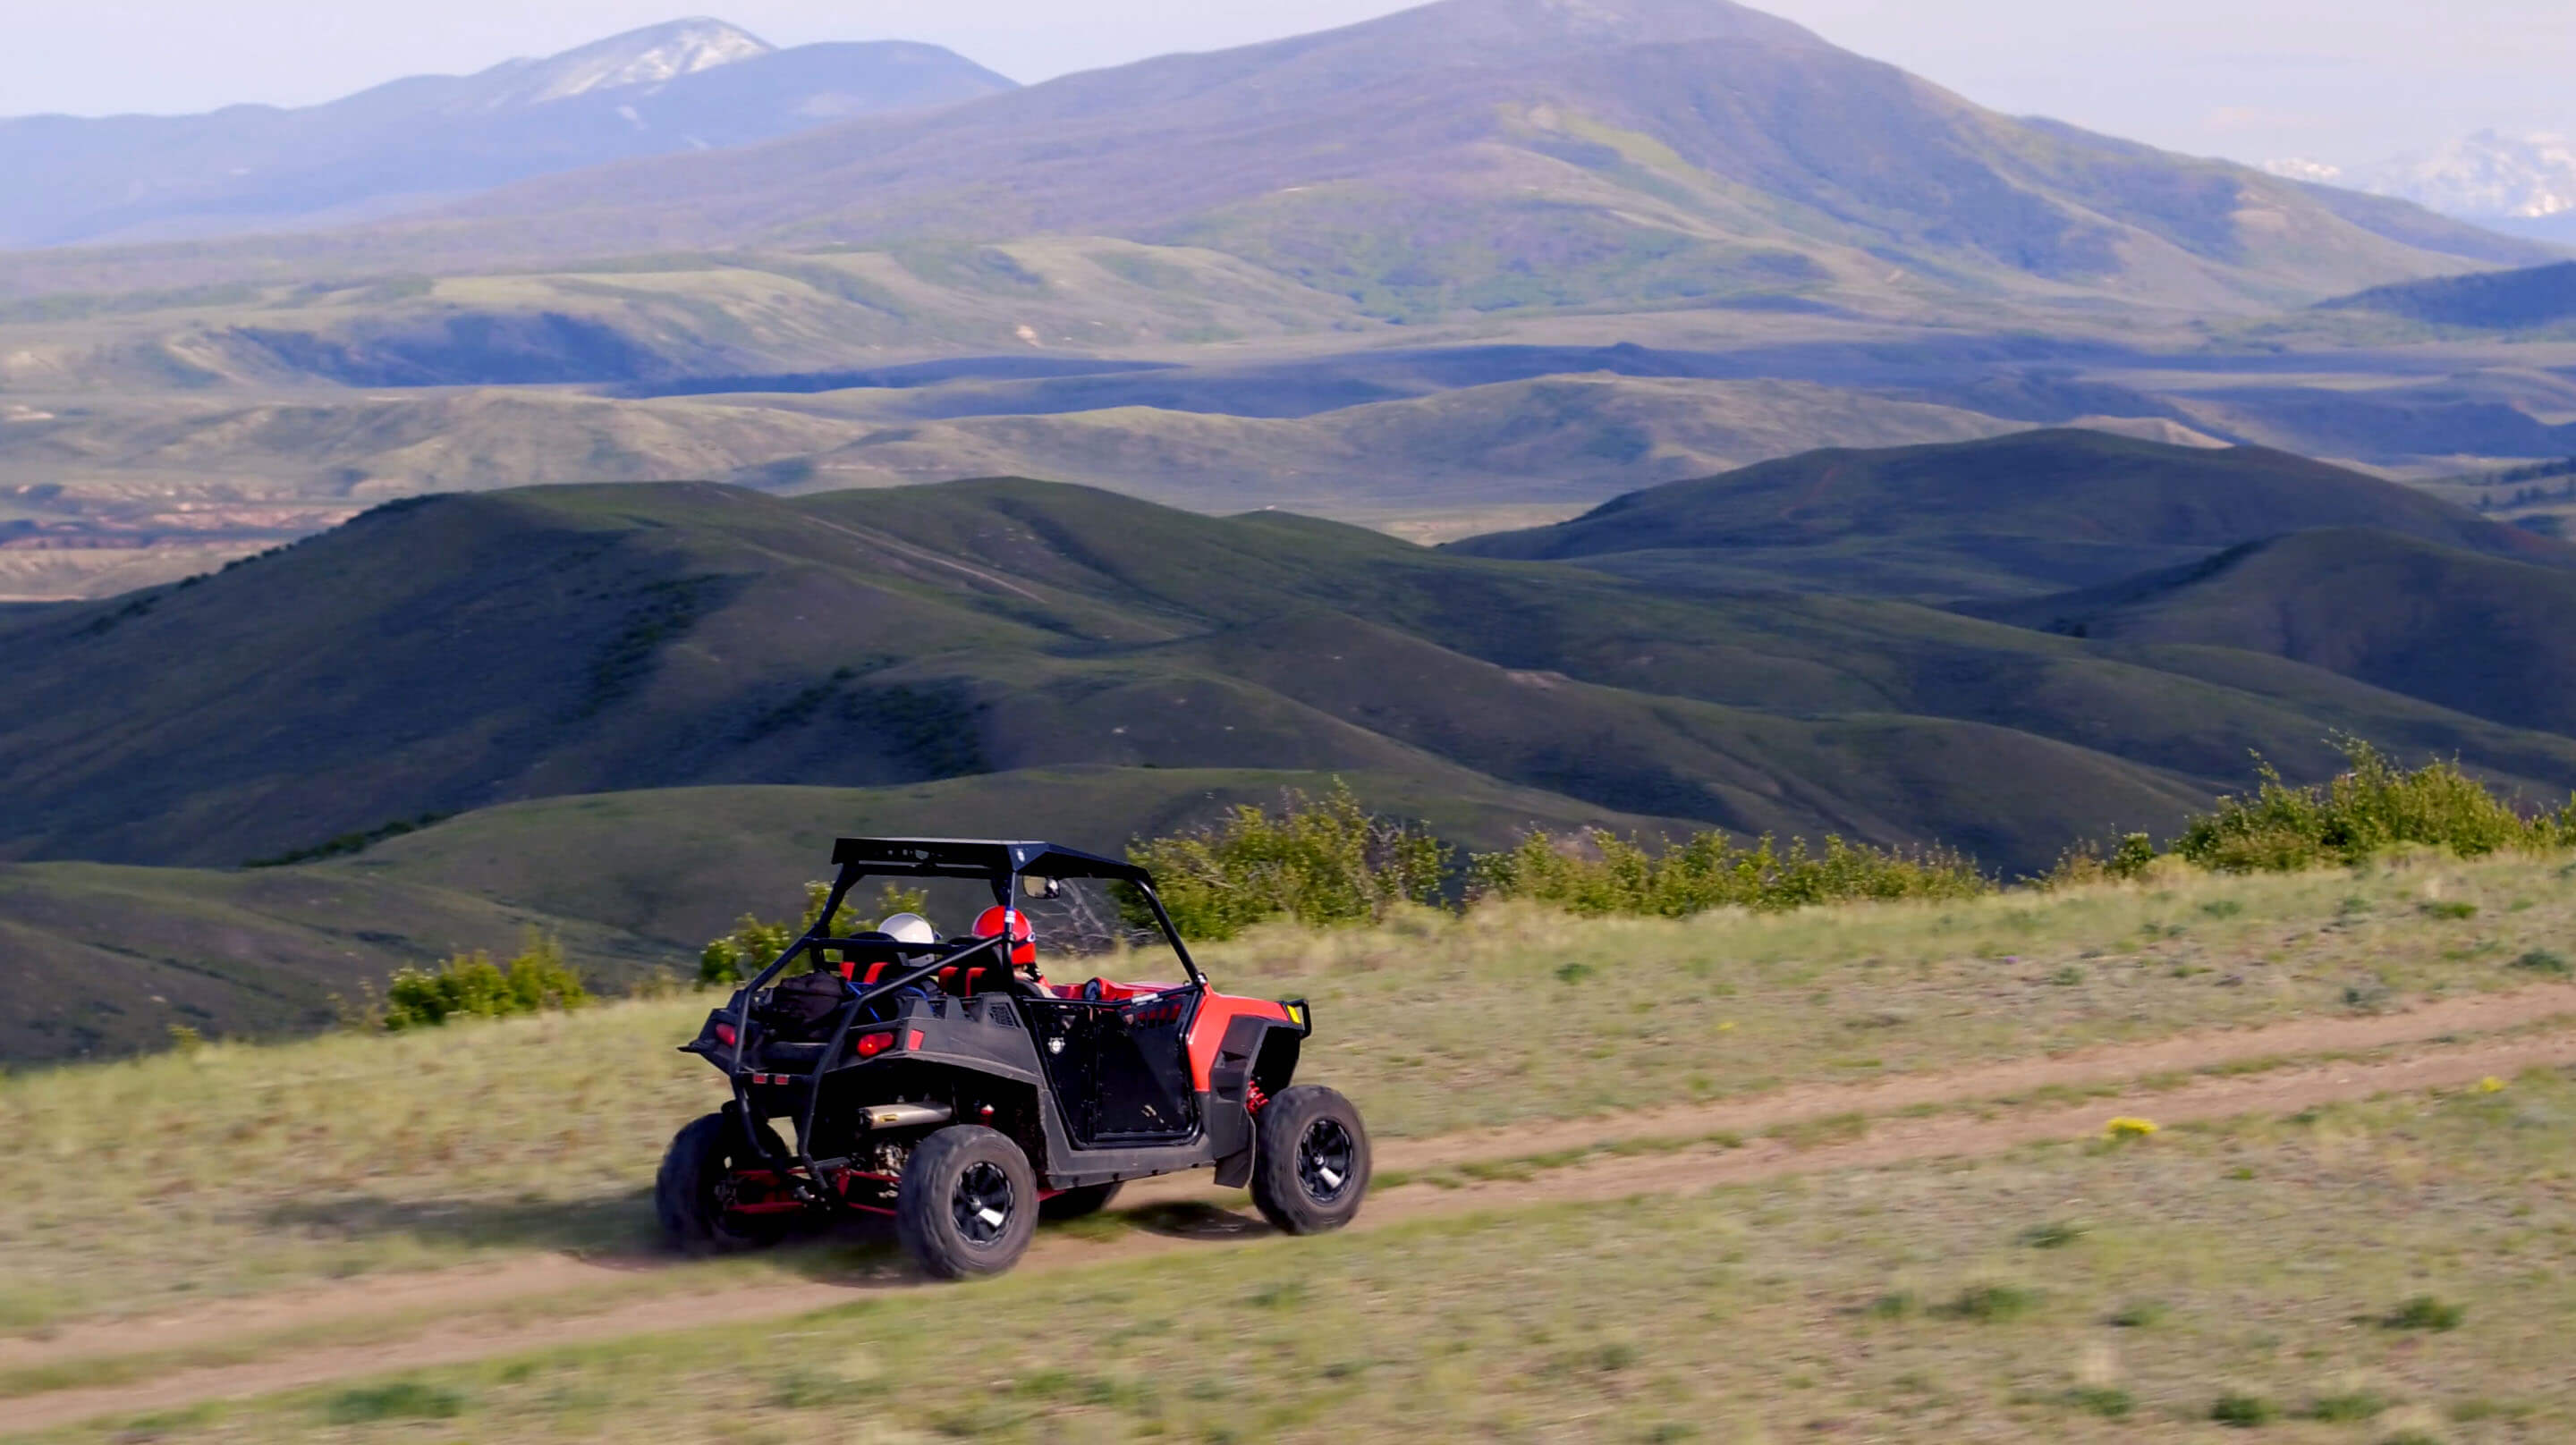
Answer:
(2481, 177)
(639, 57)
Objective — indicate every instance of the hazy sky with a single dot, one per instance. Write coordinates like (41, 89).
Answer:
(2344, 80)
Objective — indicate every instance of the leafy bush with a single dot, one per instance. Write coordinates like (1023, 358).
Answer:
(1990, 1303)
(401, 1400)
(2425, 1312)
(2369, 808)
(2108, 1401)
(1596, 873)
(2244, 1411)
(2347, 1408)
(471, 985)
(1319, 861)
(753, 944)
(2087, 863)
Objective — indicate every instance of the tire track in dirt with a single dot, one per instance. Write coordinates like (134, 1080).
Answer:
(1682, 1170)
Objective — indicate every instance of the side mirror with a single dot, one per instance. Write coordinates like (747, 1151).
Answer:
(1042, 887)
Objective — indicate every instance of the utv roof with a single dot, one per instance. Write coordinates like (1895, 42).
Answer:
(979, 858)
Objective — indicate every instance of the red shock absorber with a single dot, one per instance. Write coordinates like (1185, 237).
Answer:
(1254, 1101)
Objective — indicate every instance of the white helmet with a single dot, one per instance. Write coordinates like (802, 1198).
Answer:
(908, 928)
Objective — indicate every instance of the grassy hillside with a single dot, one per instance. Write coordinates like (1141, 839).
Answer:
(402, 1164)
(2023, 514)
(384, 1198)
(657, 636)
(1910, 1302)
(2481, 634)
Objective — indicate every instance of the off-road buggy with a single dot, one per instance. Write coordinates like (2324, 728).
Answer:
(947, 1085)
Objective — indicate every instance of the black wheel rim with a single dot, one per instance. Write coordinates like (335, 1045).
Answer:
(981, 1203)
(1326, 1160)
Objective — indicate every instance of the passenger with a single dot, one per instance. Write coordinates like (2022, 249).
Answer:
(908, 928)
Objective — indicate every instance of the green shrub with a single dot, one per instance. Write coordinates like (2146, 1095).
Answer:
(401, 1400)
(1990, 1303)
(2086, 862)
(2348, 1408)
(1597, 873)
(2108, 1401)
(2541, 960)
(1319, 861)
(2369, 808)
(2244, 1411)
(754, 945)
(2424, 1312)
(471, 985)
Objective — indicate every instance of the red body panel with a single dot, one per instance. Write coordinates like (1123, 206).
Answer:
(1207, 1032)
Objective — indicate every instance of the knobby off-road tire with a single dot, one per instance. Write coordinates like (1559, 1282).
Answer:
(1311, 1160)
(1075, 1203)
(968, 1203)
(685, 1193)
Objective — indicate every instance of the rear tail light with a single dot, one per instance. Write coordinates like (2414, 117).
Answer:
(871, 1045)
(725, 1034)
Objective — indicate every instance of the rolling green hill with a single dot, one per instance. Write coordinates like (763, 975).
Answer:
(104, 958)
(2477, 633)
(2030, 513)
(450, 654)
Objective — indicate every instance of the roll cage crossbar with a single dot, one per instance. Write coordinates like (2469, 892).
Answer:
(999, 864)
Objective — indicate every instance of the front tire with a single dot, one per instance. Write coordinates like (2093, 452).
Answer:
(692, 1191)
(968, 1203)
(1311, 1164)
(1077, 1203)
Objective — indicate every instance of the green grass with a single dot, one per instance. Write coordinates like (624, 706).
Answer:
(242, 1169)
(1751, 1312)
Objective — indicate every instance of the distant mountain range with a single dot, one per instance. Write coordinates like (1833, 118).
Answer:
(1467, 156)
(417, 143)
(2524, 184)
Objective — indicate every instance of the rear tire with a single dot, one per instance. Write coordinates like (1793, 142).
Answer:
(1311, 1161)
(968, 1203)
(1076, 1203)
(689, 1192)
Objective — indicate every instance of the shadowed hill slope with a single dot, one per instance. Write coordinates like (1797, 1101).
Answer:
(454, 653)
(2480, 634)
(2021, 514)
(2487, 300)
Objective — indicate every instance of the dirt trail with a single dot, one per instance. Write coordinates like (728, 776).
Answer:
(1887, 1141)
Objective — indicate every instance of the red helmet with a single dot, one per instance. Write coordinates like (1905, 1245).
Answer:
(991, 921)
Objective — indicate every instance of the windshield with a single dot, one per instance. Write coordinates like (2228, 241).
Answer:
(1086, 927)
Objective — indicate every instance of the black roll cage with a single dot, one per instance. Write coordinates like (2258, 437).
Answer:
(1001, 865)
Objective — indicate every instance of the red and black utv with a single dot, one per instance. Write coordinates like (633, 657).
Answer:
(947, 1084)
